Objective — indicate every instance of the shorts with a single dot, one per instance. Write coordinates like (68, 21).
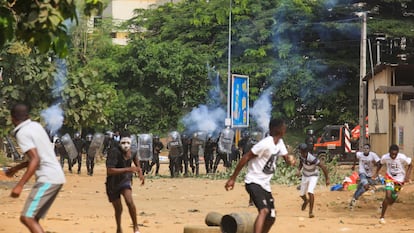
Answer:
(40, 199)
(394, 187)
(114, 192)
(261, 198)
(308, 184)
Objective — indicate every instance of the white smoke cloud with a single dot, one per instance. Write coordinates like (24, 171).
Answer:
(53, 117)
(261, 110)
(210, 116)
(205, 119)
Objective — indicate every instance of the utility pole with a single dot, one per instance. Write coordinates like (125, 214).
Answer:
(362, 83)
(228, 118)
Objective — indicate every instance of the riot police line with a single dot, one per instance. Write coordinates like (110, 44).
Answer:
(185, 151)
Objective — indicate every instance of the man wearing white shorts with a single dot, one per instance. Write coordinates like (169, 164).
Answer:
(308, 167)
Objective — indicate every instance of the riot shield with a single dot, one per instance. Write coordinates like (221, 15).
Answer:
(96, 144)
(198, 143)
(174, 144)
(69, 146)
(145, 147)
(134, 143)
(226, 141)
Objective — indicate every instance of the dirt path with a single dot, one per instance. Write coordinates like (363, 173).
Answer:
(167, 205)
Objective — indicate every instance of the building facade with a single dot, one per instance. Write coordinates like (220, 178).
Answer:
(122, 10)
(391, 108)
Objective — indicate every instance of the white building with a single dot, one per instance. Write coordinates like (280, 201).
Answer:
(122, 10)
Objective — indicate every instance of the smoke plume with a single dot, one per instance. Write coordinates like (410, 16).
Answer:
(261, 110)
(54, 115)
(210, 116)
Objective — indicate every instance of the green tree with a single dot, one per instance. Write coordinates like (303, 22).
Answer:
(41, 23)
(26, 78)
(278, 44)
(158, 81)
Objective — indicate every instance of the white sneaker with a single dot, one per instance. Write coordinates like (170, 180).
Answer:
(352, 203)
(382, 221)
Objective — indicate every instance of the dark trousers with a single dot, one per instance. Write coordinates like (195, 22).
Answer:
(145, 166)
(220, 156)
(194, 163)
(208, 162)
(79, 160)
(155, 161)
(184, 160)
(174, 165)
(90, 164)
(62, 162)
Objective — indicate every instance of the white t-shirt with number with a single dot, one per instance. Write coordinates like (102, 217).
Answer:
(396, 167)
(367, 162)
(261, 168)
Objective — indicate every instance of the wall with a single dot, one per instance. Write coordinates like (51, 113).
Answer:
(379, 116)
(404, 126)
(401, 131)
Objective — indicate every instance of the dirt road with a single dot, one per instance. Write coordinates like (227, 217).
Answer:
(167, 205)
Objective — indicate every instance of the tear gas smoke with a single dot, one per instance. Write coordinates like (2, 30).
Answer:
(261, 110)
(53, 117)
(207, 117)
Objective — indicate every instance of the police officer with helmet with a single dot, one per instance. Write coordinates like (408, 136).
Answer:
(80, 146)
(157, 147)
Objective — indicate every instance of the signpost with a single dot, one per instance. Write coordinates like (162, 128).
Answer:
(240, 101)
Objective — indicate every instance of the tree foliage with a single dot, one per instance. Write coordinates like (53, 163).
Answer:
(305, 53)
(158, 81)
(25, 78)
(42, 23)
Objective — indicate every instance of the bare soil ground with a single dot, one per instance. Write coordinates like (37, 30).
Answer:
(167, 205)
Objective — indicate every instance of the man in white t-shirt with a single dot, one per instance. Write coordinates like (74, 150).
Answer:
(368, 160)
(34, 142)
(261, 165)
(395, 176)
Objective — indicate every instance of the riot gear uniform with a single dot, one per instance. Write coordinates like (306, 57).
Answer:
(185, 158)
(209, 154)
(145, 151)
(90, 160)
(109, 142)
(157, 147)
(80, 146)
(175, 148)
(63, 154)
(197, 149)
(224, 144)
(243, 144)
